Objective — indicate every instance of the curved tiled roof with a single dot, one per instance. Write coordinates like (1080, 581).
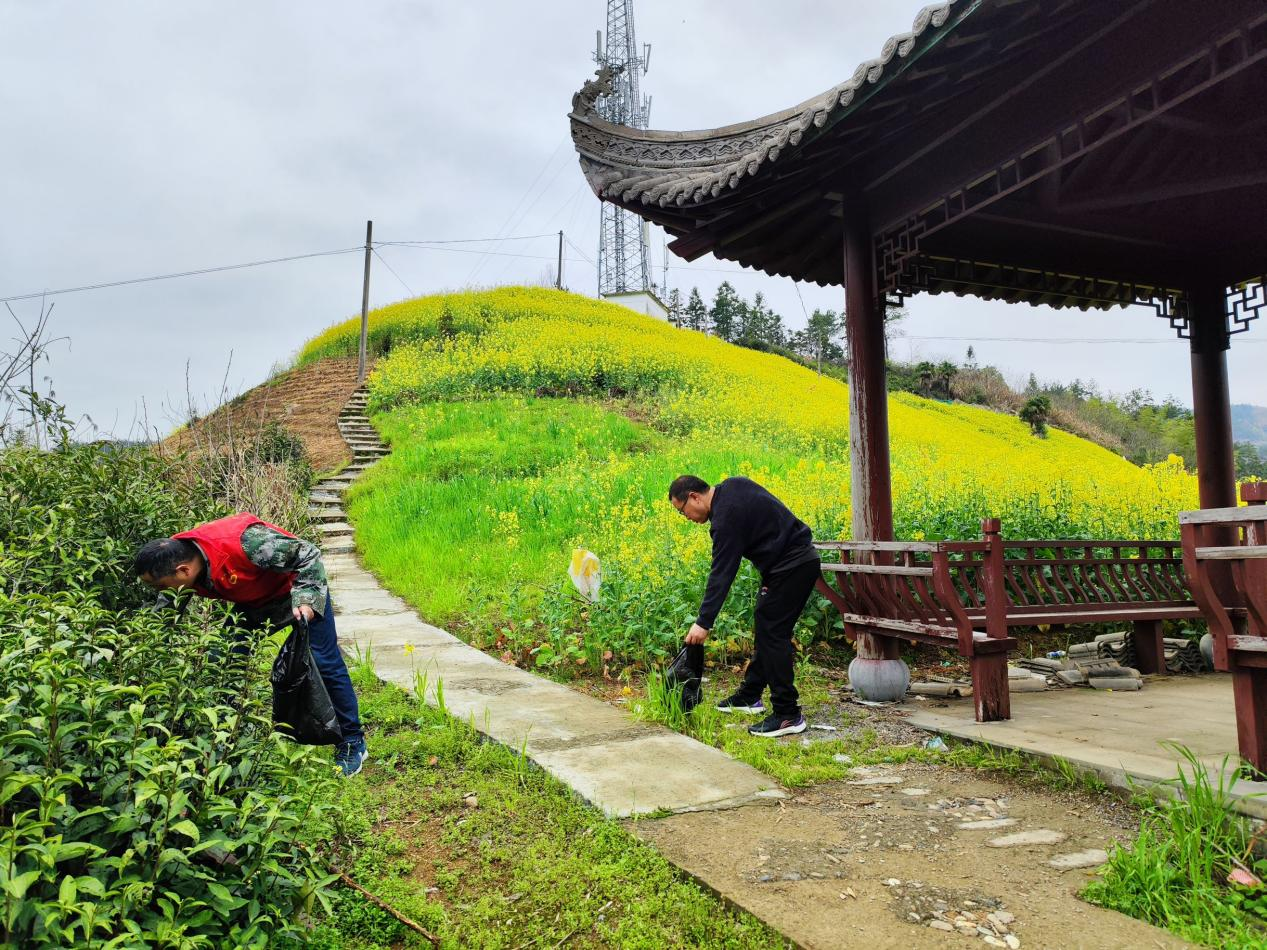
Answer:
(628, 165)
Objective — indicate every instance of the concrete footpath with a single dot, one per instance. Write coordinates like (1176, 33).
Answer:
(1127, 738)
(621, 766)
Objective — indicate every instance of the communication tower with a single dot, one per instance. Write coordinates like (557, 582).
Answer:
(623, 266)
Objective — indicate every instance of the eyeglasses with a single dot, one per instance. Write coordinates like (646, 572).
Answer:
(680, 509)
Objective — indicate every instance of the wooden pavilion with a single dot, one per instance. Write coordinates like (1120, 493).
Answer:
(1073, 153)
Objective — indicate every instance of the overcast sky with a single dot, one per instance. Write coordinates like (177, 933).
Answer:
(143, 138)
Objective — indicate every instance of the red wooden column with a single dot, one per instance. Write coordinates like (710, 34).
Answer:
(1216, 486)
(990, 692)
(871, 500)
(1249, 684)
(1211, 405)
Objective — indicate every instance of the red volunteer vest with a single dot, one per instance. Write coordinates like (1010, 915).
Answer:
(235, 578)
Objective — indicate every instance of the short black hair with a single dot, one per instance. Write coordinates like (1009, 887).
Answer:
(683, 485)
(160, 558)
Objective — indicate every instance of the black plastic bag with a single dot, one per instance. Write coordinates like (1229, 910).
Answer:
(686, 672)
(301, 705)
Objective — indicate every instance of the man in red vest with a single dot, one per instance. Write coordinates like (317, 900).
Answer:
(273, 579)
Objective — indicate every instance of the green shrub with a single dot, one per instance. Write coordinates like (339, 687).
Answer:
(144, 799)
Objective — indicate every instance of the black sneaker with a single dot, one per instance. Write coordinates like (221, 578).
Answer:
(773, 726)
(736, 703)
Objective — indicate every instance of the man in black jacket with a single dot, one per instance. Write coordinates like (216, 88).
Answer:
(746, 521)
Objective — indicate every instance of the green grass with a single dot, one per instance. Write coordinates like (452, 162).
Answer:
(426, 516)
(529, 866)
(473, 516)
(1174, 874)
(812, 757)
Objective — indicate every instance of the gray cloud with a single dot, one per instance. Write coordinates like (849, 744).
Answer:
(147, 137)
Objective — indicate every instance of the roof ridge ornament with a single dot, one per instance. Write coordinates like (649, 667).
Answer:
(585, 101)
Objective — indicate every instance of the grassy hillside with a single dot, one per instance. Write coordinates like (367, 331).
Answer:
(527, 422)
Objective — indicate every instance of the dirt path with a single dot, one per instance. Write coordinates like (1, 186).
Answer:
(895, 862)
(305, 401)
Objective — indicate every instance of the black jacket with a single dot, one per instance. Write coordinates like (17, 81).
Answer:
(748, 522)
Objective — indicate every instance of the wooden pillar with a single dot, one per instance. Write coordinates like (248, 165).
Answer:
(990, 690)
(1211, 404)
(1216, 487)
(1249, 684)
(870, 488)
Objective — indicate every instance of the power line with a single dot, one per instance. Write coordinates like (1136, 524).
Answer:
(588, 259)
(187, 273)
(517, 237)
(528, 257)
(393, 273)
(518, 204)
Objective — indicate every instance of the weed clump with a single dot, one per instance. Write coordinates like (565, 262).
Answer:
(1176, 873)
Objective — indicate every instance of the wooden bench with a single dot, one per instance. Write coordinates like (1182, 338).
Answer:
(971, 594)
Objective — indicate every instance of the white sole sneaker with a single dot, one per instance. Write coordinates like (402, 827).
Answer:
(789, 730)
(750, 710)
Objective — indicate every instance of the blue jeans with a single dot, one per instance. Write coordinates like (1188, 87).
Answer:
(323, 639)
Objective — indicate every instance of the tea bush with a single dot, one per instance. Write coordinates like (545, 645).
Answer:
(144, 799)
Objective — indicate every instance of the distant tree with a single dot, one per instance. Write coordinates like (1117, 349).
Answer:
(759, 326)
(726, 312)
(674, 303)
(1035, 412)
(776, 333)
(820, 336)
(1249, 463)
(946, 371)
(695, 314)
(926, 373)
(970, 359)
(893, 317)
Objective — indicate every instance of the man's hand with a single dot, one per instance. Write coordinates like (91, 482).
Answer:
(697, 634)
(305, 613)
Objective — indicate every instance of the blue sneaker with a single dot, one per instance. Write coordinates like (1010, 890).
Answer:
(350, 756)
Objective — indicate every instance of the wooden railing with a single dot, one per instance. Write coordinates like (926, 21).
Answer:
(971, 594)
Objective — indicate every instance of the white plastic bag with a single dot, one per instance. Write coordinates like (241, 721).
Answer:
(586, 573)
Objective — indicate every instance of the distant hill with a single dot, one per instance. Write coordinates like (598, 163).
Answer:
(1249, 424)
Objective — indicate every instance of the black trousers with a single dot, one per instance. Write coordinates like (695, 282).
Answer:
(779, 604)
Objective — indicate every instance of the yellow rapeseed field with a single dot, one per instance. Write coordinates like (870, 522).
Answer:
(526, 340)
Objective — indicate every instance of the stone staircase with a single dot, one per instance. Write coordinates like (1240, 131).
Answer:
(325, 500)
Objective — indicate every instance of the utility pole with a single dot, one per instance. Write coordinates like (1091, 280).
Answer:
(558, 283)
(365, 302)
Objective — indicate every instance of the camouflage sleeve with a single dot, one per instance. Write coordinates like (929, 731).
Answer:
(275, 551)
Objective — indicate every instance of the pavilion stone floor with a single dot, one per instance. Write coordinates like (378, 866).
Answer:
(1125, 737)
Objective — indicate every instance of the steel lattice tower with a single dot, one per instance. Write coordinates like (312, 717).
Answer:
(622, 240)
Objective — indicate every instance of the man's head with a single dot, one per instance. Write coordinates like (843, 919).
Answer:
(692, 497)
(168, 563)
